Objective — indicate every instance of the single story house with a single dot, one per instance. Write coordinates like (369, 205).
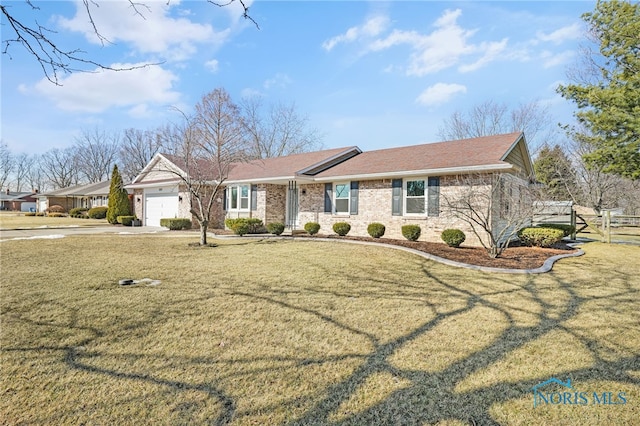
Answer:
(394, 186)
(87, 196)
(18, 201)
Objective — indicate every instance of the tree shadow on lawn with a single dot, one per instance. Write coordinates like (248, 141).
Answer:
(431, 397)
(425, 395)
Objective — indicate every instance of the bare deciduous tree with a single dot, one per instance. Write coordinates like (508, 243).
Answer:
(95, 153)
(210, 142)
(496, 206)
(492, 118)
(6, 164)
(23, 165)
(59, 166)
(277, 132)
(45, 47)
(137, 148)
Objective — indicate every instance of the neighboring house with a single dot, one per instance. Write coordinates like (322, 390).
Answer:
(394, 186)
(18, 201)
(88, 196)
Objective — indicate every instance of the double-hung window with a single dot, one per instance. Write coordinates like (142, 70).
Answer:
(420, 197)
(341, 198)
(414, 198)
(238, 197)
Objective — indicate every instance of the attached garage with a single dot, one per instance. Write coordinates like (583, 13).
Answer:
(160, 204)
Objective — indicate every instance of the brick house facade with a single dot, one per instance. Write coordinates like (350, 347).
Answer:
(397, 186)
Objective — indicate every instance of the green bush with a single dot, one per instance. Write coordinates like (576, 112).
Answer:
(376, 230)
(341, 228)
(540, 237)
(119, 204)
(97, 212)
(411, 232)
(56, 209)
(126, 220)
(453, 237)
(564, 227)
(78, 212)
(245, 225)
(275, 228)
(175, 223)
(312, 227)
(57, 215)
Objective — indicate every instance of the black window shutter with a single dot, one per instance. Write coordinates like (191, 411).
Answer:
(254, 197)
(328, 190)
(354, 197)
(396, 197)
(224, 199)
(433, 207)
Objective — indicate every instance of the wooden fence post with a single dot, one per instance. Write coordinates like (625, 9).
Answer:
(573, 223)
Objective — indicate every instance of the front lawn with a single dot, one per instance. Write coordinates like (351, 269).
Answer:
(308, 332)
(17, 220)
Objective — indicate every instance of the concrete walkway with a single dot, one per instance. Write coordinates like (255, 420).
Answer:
(61, 231)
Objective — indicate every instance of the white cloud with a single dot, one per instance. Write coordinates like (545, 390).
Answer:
(279, 80)
(212, 65)
(440, 93)
(371, 28)
(551, 59)
(570, 32)
(100, 90)
(491, 50)
(443, 48)
(153, 32)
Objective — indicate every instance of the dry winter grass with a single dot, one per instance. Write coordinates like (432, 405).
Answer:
(275, 331)
(17, 220)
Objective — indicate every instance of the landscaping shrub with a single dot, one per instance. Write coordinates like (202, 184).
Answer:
(40, 214)
(97, 212)
(126, 220)
(540, 237)
(411, 232)
(275, 228)
(453, 237)
(30, 214)
(245, 225)
(312, 227)
(341, 228)
(376, 230)
(57, 215)
(78, 212)
(119, 204)
(56, 209)
(564, 227)
(175, 223)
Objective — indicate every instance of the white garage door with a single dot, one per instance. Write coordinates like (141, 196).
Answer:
(160, 206)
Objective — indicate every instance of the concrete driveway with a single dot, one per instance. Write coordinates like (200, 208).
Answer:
(58, 232)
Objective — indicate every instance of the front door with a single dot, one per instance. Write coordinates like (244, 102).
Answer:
(292, 205)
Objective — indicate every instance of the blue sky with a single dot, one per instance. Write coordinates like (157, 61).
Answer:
(374, 74)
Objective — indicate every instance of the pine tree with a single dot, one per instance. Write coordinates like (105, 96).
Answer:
(118, 198)
(608, 100)
(554, 170)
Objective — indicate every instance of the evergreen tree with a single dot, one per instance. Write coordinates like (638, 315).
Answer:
(607, 90)
(118, 198)
(554, 170)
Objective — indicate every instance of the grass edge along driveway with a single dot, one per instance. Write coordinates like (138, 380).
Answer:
(283, 332)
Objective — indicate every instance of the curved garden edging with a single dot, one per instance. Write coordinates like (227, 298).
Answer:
(546, 266)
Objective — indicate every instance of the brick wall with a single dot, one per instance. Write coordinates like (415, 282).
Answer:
(374, 205)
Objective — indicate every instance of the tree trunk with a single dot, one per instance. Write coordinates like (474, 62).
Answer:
(203, 232)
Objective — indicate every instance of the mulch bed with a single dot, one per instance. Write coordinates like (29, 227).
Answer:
(514, 257)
